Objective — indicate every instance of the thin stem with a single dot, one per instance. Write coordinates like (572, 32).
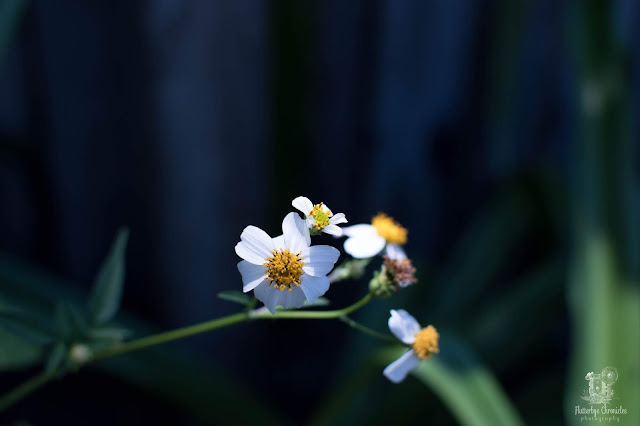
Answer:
(259, 314)
(25, 388)
(36, 382)
(168, 336)
(181, 333)
(366, 330)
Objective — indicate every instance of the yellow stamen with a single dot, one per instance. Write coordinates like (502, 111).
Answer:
(426, 342)
(321, 217)
(284, 269)
(389, 229)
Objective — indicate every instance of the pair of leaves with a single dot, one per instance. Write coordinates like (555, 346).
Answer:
(73, 324)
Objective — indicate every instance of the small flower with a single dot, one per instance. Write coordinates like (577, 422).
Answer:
(424, 342)
(368, 240)
(284, 270)
(319, 217)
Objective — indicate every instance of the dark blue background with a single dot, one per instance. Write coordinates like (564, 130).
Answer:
(188, 120)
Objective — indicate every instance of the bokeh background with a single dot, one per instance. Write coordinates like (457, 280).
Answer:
(503, 135)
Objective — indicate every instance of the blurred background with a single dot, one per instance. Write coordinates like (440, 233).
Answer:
(503, 135)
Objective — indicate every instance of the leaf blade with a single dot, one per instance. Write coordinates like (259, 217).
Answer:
(107, 289)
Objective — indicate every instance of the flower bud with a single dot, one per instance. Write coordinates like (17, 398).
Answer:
(80, 354)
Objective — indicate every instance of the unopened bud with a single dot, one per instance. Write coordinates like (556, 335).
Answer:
(80, 354)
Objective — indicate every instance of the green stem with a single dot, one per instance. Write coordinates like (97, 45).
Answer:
(366, 330)
(40, 380)
(29, 386)
(169, 336)
(259, 314)
(181, 333)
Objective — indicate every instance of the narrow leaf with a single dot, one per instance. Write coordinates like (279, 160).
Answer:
(107, 287)
(17, 352)
(470, 391)
(56, 358)
(63, 321)
(25, 325)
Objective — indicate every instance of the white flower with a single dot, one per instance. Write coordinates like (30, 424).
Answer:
(424, 342)
(284, 270)
(319, 217)
(368, 240)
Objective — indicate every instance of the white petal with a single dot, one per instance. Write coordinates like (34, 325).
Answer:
(257, 241)
(364, 246)
(303, 204)
(403, 326)
(310, 221)
(398, 369)
(362, 229)
(252, 275)
(314, 287)
(319, 260)
(334, 230)
(325, 208)
(249, 255)
(296, 233)
(278, 242)
(272, 297)
(337, 219)
(395, 252)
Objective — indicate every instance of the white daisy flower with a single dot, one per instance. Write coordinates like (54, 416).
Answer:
(284, 270)
(368, 240)
(319, 217)
(424, 342)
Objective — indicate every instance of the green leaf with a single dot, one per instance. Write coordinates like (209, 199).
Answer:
(25, 325)
(164, 373)
(56, 358)
(235, 296)
(17, 352)
(63, 321)
(470, 391)
(70, 322)
(107, 287)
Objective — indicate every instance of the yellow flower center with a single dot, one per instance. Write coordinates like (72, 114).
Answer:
(321, 217)
(389, 229)
(426, 342)
(284, 269)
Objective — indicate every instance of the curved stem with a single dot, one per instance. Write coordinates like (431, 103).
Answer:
(29, 386)
(366, 330)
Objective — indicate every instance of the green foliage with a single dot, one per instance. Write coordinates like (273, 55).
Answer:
(16, 352)
(26, 325)
(56, 358)
(171, 373)
(107, 287)
(468, 388)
